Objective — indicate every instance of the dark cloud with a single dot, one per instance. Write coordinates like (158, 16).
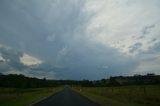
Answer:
(147, 29)
(135, 47)
(33, 21)
(151, 54)
(12, 58)
(152, 40)
(138, 37)
(155, 48)
(85, 61)
(54, 31)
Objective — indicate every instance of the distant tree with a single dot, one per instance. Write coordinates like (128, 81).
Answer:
(21, 81)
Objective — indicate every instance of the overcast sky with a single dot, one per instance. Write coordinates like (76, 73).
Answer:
(79, 39)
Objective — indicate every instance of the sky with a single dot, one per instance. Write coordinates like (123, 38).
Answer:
(79, 39)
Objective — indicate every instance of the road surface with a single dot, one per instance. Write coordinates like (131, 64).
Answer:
(67, 97)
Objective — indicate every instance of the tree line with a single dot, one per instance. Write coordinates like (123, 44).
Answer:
(21, 81)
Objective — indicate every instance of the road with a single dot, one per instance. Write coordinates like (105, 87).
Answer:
(67, 97)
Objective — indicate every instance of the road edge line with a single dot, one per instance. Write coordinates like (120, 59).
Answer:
(41, 99)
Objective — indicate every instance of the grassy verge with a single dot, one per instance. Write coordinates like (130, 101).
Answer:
(23, 97)
(123, 96)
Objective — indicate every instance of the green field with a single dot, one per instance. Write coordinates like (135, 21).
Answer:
(123, 96)
(23, 97)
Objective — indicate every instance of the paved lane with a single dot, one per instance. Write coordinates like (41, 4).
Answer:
(66, 97)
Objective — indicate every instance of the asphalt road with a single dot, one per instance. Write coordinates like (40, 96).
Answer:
(67, 97)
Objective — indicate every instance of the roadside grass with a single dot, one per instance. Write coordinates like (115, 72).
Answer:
(148, 95)
(24, 97)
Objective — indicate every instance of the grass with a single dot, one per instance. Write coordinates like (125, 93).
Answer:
(23, 97)
(123, 96)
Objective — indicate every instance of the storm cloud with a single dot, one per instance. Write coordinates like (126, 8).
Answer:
(79, 39)
(11, 57)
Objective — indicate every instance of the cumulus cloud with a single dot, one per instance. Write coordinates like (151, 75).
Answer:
(29, 60)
